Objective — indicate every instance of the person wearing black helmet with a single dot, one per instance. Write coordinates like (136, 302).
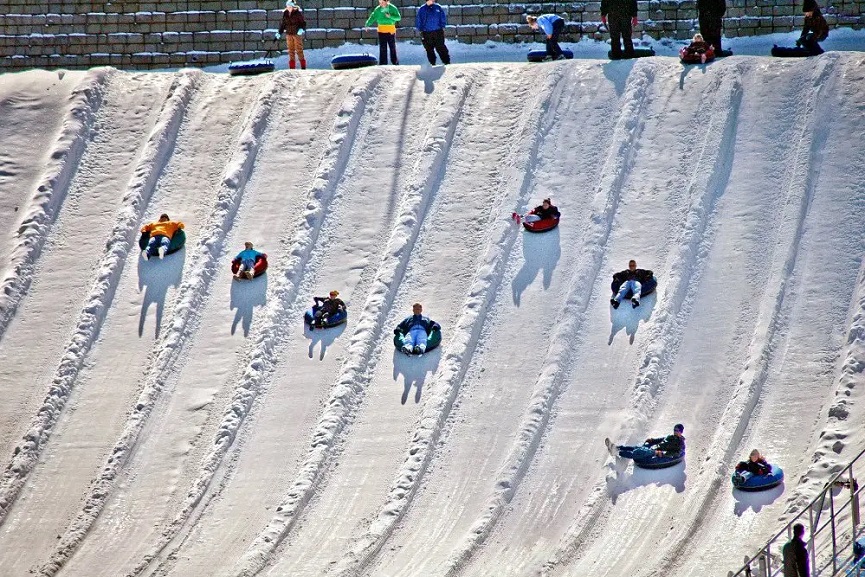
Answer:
(669, 446)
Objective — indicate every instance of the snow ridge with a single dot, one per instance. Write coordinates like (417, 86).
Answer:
(799, 191)
(550, 383)
(462, 343)
(85, 102)
(262, 355)
(348, 391)
(192, 294)
(151, 163)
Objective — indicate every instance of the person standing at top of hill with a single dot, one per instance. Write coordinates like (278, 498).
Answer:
(710, 14)
(620, 16)
(384, 17)
(293, 24)
(430, 21)
(552, 26)
(815, 28)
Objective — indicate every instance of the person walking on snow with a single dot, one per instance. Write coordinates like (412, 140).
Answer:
(294, 25)
(552, 26)
(384, 17)
(669, 446)
(430, 21)
(160, 236)
(247, 258)
(631, 280)
(710, 14)
(620, 16)
(414, 331)
(795, 554)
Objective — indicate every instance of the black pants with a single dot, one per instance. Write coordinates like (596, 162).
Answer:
(553, 48)
(809, 43)
(385, 41)
(435, 42)
(710, 28)
(620, 32)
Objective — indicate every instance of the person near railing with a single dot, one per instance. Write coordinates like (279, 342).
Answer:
(795, 554)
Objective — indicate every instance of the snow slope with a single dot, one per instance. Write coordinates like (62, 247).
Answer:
(162, 419)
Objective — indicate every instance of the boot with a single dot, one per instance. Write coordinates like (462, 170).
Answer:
(302, 64)
(291, 64)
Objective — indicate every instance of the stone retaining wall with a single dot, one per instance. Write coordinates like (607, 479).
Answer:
(128, 34)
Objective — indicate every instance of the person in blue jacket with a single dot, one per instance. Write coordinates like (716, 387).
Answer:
(247, 258)
(552, 26)
(414, 331)
(430, 21)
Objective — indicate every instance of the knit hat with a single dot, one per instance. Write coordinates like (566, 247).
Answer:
(290, 4)
(679, 428)
(810, 6)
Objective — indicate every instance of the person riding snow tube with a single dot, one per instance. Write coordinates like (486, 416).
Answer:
(162, 237)
(542, 218)
(756, 474)
(417, 334)
(632, 284)
(249, 263)
(654, 453)
(698, 52)
(327, 312)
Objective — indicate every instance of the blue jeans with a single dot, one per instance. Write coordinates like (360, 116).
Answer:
(247, 263)
(640, 453)
(157, 242)
(633, 285)
(416, 337)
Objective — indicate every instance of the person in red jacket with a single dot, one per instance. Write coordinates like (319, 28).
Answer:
(294, 25)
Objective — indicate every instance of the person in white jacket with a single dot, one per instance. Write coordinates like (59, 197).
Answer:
(552, 26)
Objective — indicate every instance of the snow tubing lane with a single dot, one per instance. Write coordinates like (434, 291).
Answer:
(349, 61)
(747, 481)
(638, 53)
(646, 288)
(332, 321)
(251, 67)
(694, 57)
(257, 270)
(540, 55)
(177, 242)
(542, 225)
(433, 340)
(659, 462)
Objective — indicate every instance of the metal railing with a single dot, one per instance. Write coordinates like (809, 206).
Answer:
(832, 524)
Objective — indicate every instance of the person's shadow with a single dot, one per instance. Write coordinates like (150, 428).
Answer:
(155, 276)
(617, 72)
(428, 75)
(540, 251)
(621, 482)
(755, 500)
(414, 370)
(686, 68)
(245, 296)
(628, 318)
(323, 337)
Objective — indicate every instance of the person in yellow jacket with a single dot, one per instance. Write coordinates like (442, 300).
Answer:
(160, 235)
(384, 17)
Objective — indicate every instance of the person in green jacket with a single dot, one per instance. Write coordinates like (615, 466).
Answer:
(385, 17)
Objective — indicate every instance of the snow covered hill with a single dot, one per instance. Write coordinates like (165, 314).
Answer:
(159, 419)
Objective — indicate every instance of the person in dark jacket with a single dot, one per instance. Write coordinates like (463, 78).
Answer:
(544, 211)
(293, 24)
(698, 47)
(620, 16)
(631, 280)
(552, 26)
(414, 331)
(430, 21)
(669, 446)
(795, 554)
(814, 30)
(710, 14)
(327, 307)
(756, 464)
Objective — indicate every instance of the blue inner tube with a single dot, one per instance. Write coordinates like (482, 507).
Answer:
(433, 340)
(646, 288)
(177, 242)
(333, 320)
(348, 61)
(746, 481)
(659, 462)
(251, 67)
(539, 55)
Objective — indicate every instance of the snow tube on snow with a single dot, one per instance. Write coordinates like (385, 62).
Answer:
(333, 320)
(638, 53)
(433, 340)
(251, 67)
(257, 270)
(177, 242)
(646, 288)
(540, 55)
(656, 462)
(542, 225)
(688, 57)
(723, 53)
(784, 52)
(347, 61)
(747, 481)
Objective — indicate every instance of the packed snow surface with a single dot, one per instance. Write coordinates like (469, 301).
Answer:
(161, 419)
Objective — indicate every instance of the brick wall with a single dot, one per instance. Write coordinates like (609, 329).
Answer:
(174, 33)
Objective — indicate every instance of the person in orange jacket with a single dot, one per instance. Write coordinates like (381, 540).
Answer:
(160, 235)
